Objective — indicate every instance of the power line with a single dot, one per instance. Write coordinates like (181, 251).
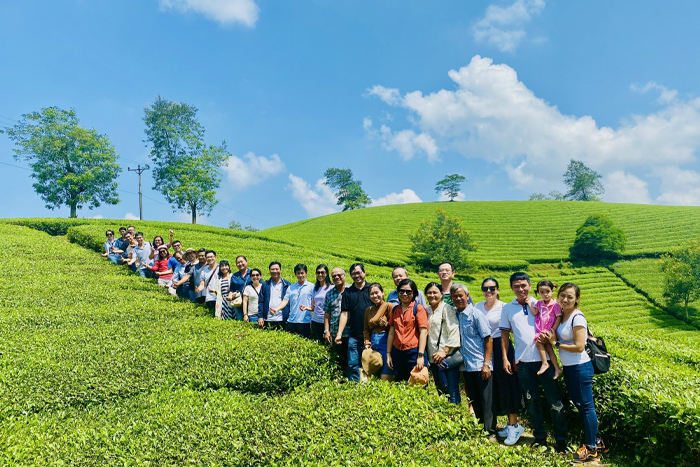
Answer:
(15, 166)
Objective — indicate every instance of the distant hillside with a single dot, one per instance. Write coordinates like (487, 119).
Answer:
(505, 231)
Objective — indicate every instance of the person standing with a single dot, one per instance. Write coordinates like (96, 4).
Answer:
(477, 349)
(517, 319)
(220, 286)
(298, 297)
(332, 306)
(443, 340)
(251, 298)
(408, 333)
(507, 398)
(198, 295)
(446, 273)
(355, 302)
(376, 327)
(323, 285)
(397, 275)
(273, 291)
(570, 338)
(239, 281)
(206, 276)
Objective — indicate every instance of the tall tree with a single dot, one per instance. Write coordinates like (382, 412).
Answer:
(450, 185)
(553, 195)
(72, 165)
(583, 182)
(349, 192)
(186, 171)
(681, 270)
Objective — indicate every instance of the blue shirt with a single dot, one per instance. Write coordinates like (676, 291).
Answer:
(299, 295)
(173, 263)
(473, 328)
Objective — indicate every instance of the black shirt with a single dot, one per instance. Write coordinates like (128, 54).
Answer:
(355, 302)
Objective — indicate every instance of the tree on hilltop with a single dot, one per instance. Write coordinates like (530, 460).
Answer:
(186, 171)
(450, 185)
(583, 182)
(72, 165)
(597, 238)
(444, 239)
(553, 195)
(349, 192)
(681, 269)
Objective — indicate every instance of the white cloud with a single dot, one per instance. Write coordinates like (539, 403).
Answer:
(367, 123)
(389, 95)
(491, 115)
(460, 197)
(406, 196)
(666, 95)
(98, 216)
(316, 202)
(621, 187)
(503, 27)
(679, 187)
(251, 170)
(407, 143)
(222, 11)
(130, 216)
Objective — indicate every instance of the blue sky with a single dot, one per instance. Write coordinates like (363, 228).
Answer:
(403, 93)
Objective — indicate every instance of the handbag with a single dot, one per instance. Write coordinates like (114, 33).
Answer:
(454, 358)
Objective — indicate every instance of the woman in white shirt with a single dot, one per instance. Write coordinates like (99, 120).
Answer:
(570, 339)
(251, 294)
(507, 397)
(443, 341)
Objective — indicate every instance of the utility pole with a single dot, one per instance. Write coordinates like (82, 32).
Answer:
(139, 170)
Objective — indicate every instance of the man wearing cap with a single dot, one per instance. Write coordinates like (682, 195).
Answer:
(399, 274)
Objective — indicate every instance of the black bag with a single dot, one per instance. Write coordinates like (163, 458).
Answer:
(598, 352)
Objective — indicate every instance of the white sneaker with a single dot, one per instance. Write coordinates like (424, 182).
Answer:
(514, 434)
(503, 433)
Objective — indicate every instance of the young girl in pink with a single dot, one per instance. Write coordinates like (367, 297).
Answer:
(547, 316)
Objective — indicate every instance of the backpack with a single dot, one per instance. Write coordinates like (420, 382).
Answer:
(597, 352)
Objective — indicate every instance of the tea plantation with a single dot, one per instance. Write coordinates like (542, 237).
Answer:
(99, 366)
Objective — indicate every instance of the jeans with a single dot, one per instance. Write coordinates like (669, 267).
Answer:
(300, 329)
(253, 319)
(146, 273)
(183, 291)
(237, 313)
(529, 382)
(342, 352)
(379, 341)
(480, 394)
(404, 361)
(317, 331)
(579, 383)
(447, 382)
(355, 348)
(114, 258)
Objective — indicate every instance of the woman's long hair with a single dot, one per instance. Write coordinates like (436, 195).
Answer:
(327, 281)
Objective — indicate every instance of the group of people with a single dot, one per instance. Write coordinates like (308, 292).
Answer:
(406, 334)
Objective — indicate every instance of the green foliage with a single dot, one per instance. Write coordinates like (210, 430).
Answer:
(235, 225)
(186, 171)
(349, 192)
(450, 185)
(597, 238)
(536, 232)
(72, 165)
(681, 270)
(583, 182)
(444, 239)
(553, 195)
(646, 277)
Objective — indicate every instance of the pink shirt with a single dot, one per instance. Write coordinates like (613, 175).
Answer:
(546, 315)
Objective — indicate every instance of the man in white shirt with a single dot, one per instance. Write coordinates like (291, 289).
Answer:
(516, 319)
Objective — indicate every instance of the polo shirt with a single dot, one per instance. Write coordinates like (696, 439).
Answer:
(473, 328)
(298, 295)
(405, 326)
(173, 263)
(521, 323)
(332, 305)
(355, 302)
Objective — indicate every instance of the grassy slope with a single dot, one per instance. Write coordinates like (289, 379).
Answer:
(99, 367)
(504, 230)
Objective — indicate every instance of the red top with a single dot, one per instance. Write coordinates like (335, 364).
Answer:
(161, 265)
(405, 329)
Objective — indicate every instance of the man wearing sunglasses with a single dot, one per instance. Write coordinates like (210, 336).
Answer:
(516, 319)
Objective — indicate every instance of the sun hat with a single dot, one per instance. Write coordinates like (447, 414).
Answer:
(372, 362)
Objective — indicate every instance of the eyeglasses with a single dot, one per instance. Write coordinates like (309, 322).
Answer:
(488, 288)
(255, 275)
(336, 276)
(320, 272)
(110, 235)
(405, 292)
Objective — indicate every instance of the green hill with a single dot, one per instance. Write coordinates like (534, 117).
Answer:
(535, 231)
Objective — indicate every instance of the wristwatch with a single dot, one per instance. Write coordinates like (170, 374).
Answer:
(421, 354)
(326, 331)
(488, 365)
(557, 344)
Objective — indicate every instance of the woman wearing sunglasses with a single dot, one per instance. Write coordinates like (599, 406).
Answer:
(251, 295)
(408, 333)
(507, 398)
